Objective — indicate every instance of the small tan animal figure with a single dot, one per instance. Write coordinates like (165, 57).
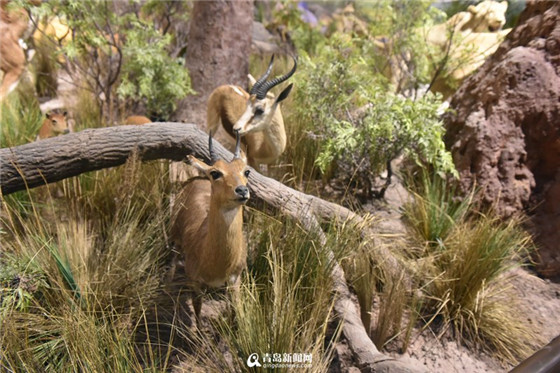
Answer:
(207, 224)
(255, 115)
(137, 119)
(13, 24)
(53, 125)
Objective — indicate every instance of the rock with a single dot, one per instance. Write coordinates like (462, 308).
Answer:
(504, 133)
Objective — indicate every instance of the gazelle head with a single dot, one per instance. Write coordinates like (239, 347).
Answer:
(58, 123)
(228, 179)
(261, 108)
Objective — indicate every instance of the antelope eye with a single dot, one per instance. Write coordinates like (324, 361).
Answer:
(54, 122)
(216, 174)
(259, 111)
(247, 172)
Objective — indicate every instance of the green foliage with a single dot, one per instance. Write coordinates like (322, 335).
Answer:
(360, 125)
(120, 56)
(21, 119)
(150, 74)
(347, 114)
(397, 26)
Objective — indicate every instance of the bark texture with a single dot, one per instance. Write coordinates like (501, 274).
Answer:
(219, 45)
(61, 157)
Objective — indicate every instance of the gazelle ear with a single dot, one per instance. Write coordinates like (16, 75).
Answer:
(252, 81)
(282, 96)
(199, 165)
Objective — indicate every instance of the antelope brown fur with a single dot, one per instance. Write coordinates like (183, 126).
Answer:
(255, 115)
(137, 119)
(13, 24)
(207, 224)
(53, 125)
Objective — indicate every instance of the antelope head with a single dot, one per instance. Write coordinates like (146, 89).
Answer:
(228, 179)
(260, 108)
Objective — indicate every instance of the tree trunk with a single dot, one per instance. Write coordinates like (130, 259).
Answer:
(218, 48)
(54, 159)
(219, 44)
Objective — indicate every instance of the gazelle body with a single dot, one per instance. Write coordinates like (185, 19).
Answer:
(207, 224)
(256, 115)
(53, 125)
(137, 119)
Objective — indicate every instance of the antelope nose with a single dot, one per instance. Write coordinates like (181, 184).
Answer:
(243, 192)
(66, 131)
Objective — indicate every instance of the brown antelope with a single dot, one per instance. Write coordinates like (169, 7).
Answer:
(53, 125)
(207, 224)
(13, 24)
(137, 119)
(256, 116)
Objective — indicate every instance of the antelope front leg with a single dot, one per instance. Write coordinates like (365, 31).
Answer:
(233, 289)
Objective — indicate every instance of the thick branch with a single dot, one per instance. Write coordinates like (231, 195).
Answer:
(70, 155)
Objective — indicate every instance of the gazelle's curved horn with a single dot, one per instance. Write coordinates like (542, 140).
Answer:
(263, 78)
(236, 153)
(213, 157)
(266, 86)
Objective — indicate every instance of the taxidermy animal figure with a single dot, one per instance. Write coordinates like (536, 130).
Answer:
(255, 115)
(207, 223)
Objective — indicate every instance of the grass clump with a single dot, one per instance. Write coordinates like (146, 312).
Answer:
(20, 119)
(76, 284)
(463, 271)
(435, 210)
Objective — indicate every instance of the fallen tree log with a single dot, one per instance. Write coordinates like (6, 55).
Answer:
(54, 159)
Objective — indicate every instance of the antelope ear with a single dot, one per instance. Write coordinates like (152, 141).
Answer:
(282, 96)
(252, 81)
(199, 165)
(65, 114)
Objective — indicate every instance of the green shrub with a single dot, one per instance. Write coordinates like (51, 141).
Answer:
(120, 57)
(149, 74)
(359, 125)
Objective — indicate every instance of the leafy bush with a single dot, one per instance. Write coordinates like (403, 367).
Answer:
(360, 125)
(118, 55)
(149, 74)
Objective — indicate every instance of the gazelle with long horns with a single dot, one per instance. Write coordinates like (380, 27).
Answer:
(207, 223)
(255, 115)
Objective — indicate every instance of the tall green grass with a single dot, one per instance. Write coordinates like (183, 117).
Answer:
(20, 119)
(436, 208)
(463, 270)
(77, 283)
